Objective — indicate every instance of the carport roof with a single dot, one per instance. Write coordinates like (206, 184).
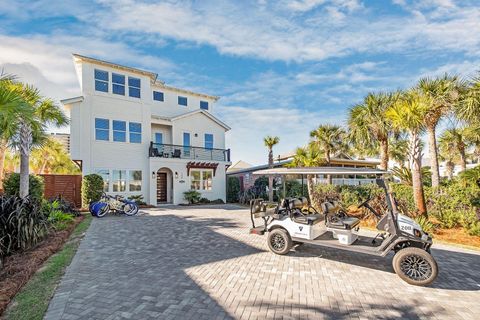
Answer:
(319, 170)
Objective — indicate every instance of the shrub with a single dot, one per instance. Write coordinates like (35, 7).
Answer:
(92, 188)
(11, 185)
(60, 220)
(233, 189)
(474, 229)
(192, 196)
(293, 188)
(23, 223)
(64, 206)
(203, 200)
(138, 198)
(218, 201)
(426, 225)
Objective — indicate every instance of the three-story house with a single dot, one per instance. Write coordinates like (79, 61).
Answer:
(145, 137)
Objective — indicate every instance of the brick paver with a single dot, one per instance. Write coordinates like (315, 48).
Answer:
(201, 263)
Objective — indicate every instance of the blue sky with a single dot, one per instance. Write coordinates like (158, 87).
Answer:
(281, 67)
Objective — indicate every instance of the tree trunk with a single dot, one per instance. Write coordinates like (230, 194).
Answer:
(270, 177)
(416, 168)
(310, 188)
(3, 152)
(327, 159)
(432, 150)
(25, 145)
(450, 167)
(384, 154)
(463, 158)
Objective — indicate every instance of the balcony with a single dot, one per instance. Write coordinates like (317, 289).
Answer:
(184, 152)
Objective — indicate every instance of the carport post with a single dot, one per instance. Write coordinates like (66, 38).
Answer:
(284, 191)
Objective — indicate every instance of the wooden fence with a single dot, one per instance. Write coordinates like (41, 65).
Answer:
(68, 186)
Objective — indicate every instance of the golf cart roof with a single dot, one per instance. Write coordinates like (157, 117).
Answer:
(319, 170)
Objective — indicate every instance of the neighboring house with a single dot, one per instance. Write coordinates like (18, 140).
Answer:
(144, 137)
(63, 138)
(247, 178)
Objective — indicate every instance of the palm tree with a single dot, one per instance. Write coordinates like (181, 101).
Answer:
(443, 94)
(468, 107)
(309, 156)
(453, 140)
(398, 150)
(269, 142)
(472, 136)
(449, 154)
(329, 138)
(52, 158)
(408, 114)
(368, 125)
(25, 121)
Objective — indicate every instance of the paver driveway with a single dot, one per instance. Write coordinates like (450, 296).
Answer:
(201, 263)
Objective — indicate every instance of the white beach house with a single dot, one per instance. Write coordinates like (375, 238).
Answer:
(144, 137)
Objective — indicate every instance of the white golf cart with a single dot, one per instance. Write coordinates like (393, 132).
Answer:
(293, 221)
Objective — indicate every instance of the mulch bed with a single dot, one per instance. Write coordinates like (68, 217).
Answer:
(20, 267)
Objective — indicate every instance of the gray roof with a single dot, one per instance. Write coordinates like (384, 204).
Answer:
(319, 170)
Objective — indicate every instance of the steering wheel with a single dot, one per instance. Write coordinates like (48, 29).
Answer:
(364, 202)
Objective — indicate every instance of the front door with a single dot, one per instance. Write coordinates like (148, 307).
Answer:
(161, 187)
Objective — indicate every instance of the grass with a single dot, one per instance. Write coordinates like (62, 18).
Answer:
(32, 301)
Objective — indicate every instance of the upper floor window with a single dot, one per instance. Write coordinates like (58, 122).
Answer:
(204, 105)
(208, 141)
(102, 128)
(182, 101)
(134, 87)
(135, 132)
(118, 84)
(101, 80)
(158, 96)
(119, 131)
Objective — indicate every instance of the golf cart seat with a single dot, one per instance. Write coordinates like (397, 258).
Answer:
(337, 218)
(296, 205)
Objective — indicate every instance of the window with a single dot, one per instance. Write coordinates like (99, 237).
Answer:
(119, 182)
(201, 180)
(186, 144)
(102, 128)
(101, 80)
(134, 87)
(204, 105)
(106, 178)
(182, 101)
(158, 137)
(208, 141)
(135, 180)
(157, 96)
(119, 131)
(118, 84)
(135, 132)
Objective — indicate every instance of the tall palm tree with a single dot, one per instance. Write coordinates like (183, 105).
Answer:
(472, 136)
(449, 154)
(29, 122)
(269, 142)
(51, 158)
(468, 107)
(453, 139)
(309, 156)
(368, 125)
(408, 114)
(443, 94)
(329, 138)
(398, 150)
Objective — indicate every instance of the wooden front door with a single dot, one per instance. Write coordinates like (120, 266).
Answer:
(161, 187)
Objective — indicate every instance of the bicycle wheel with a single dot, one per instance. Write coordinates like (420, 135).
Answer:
(130, 209)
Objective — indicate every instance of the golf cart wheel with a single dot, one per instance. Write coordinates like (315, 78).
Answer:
(415, 266)
(279, 241)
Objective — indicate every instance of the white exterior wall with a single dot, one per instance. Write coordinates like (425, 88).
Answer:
(133, 156)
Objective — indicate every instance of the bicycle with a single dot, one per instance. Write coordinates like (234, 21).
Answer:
(116, 203)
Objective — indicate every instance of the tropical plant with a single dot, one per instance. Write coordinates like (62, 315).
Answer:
(24, 122)
(329, 139)
(368, 125)
(269, 142)
(36, 184)
(398, 150)
(52, 157)
(92, 188)
(443, 94)
(138, 198)
(405, 175)
(192, 196)
(309, 156)
(453, 140)
(408, 114)
(468, 108)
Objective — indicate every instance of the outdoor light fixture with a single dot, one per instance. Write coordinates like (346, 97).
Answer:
(176, 175)
(153, 174)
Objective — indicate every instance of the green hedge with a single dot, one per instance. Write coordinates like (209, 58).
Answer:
(11, 185)
(233, 189)
(92, 188)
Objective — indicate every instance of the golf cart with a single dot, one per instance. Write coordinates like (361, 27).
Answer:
(293, 221)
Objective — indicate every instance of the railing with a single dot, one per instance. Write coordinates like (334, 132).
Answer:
(347, 181)
(186, 152)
